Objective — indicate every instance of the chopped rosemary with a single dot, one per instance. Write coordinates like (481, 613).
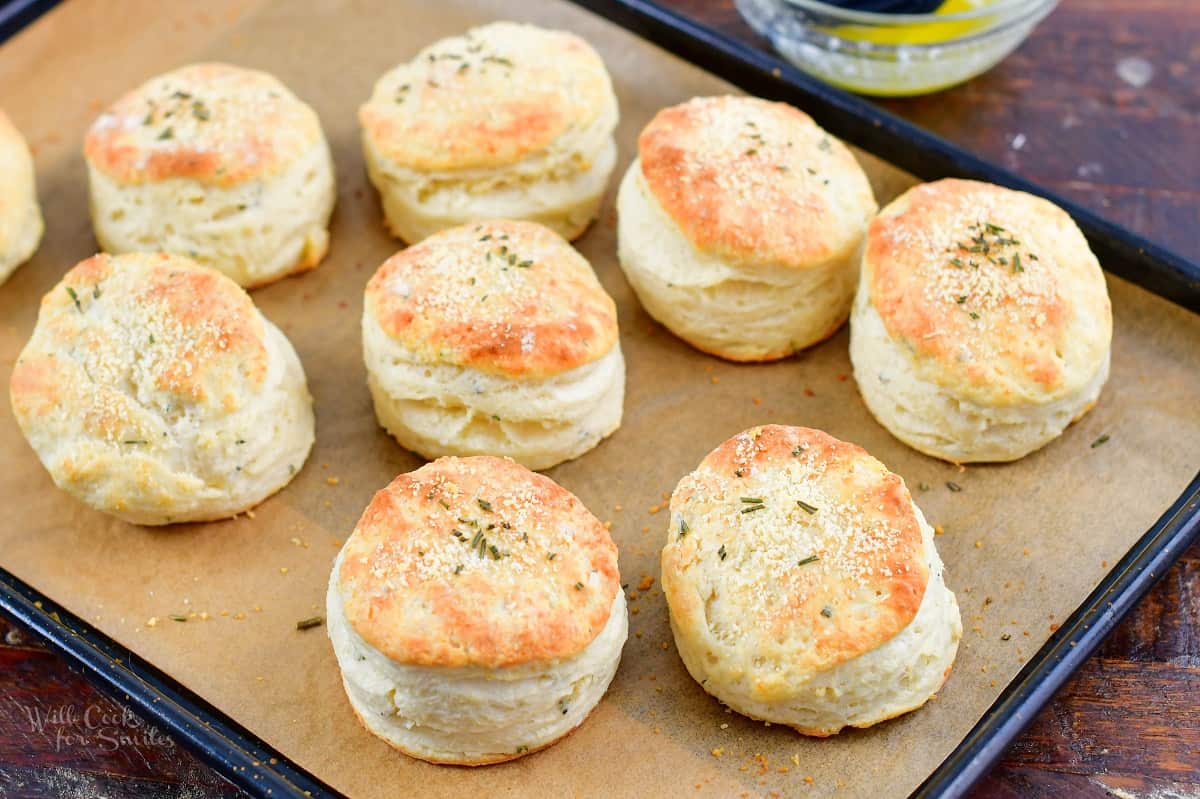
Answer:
(168, 133)
(808, 560)
(458, 569)
(177, 617)
(721, 553)
(806, 507)
(200, 111)
(445, 504)
(796, 451)
(525, 264)
(683, 527)
(135, 441)
(74, 299)
(495, 552)
(483, 503)
(1006, 637)
(308, 624)
(1016, 263)
(578, 586)
(923, 485)
(961, 299)
(1101, 440)
(752, 508)
(552, 556)
(752, 151)
(522, 749)
(953, 486)
(752, 500)
(827, 611)
(974, 315)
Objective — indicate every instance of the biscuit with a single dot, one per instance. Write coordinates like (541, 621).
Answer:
(493, 339)
(218, 163)
(739, 226)
(803, 584)
(475, 612)
(20, 217)
(507, 121)
(982, 326)
(152, 389)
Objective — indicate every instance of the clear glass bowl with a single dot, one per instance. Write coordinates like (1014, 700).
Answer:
(895, 55)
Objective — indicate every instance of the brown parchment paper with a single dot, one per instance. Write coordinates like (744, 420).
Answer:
(1023, 543)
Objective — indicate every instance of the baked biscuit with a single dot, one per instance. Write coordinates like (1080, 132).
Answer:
(152, 389)
(218, 163)
(476, 612)
(803, 584)
(20, 217)
(982, 326)
(493, 338)
(507, 121)
(739, 226)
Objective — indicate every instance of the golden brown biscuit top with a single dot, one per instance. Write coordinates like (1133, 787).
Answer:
(755, 182)
(490, 98)
(16, 182)
(995, 291)
(123, 332)
(505, 297)
(477, 562)
(215, 123)
(792, 552)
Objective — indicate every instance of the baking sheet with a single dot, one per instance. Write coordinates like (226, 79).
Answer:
(1023, 543)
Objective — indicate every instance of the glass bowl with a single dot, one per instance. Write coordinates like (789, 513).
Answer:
(895, 55)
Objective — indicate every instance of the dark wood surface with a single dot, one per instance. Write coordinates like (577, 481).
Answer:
(1057, 111)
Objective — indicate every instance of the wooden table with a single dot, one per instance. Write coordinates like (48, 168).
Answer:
(1065, 110)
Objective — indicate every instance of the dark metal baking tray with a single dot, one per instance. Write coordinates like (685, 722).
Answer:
(262, 771)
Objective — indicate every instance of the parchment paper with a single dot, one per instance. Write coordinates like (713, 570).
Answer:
(1023, 543)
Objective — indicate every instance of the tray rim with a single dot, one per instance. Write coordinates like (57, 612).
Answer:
(260, 770)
